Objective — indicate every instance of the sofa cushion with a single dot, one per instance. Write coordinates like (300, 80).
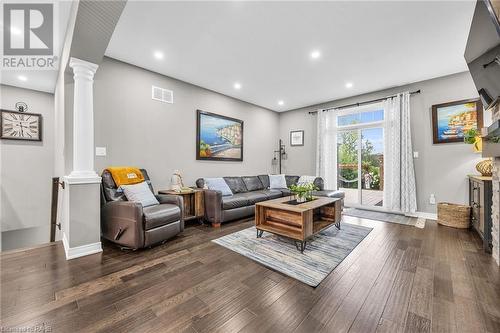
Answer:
(271, 193)
(252, 183)
(218, 184)
(156, 216)
(200, 183)
(254, 197)
(319, 183)
(305, 180)
(264, 179)
(285, 192)
(236, 184)
(235, 201)
(277, 181)
(291, 180)
(329, 194)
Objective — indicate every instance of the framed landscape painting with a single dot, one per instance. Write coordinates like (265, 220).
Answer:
(451, 120)
(218, 138)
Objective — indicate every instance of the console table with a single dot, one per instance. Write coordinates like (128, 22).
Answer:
(480, 199)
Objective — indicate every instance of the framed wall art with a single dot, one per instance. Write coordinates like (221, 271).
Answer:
(218, 138)
(451, 120)
(297, 138)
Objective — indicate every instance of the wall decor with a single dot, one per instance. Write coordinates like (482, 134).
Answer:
(218, 138)
(297, 138)
(451, 120)
(16, 125)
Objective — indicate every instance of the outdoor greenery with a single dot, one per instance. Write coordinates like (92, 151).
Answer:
(348, 158)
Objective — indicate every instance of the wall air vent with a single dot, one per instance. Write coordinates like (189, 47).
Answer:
(162, 95)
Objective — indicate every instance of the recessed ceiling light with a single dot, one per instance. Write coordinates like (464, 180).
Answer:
(237, 85)
(158, 55)
(349, 85)
(315, 54)
(22, 78)
(281, 102)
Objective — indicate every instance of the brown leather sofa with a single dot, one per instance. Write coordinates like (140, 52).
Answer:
(247, 191)
(130, 225)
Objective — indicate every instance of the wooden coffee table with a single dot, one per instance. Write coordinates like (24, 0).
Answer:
(297, 221)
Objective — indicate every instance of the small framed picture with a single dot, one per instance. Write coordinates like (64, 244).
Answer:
(297, 138)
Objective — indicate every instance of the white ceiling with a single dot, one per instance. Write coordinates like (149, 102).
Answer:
(42, 80)
(266, 46)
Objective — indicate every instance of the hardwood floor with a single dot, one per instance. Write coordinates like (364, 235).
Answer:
(399, 279)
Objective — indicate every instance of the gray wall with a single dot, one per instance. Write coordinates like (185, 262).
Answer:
(440, 169)
(160, 137)
(26, 172)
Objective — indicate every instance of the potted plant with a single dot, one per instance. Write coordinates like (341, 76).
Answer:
(303, 192)
(473, 137)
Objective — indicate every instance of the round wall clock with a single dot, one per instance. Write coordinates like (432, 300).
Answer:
(20, 126)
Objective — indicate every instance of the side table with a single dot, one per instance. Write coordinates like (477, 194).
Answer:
(194, 207)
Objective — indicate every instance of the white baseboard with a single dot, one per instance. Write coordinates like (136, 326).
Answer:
(80, 251)
(427, 216)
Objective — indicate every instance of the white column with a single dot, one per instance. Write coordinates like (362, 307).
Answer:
(83, 120)
(81, 195)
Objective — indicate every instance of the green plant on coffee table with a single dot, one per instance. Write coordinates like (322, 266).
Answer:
(303, 191)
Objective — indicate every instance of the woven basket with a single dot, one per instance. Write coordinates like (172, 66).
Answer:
(452, 215)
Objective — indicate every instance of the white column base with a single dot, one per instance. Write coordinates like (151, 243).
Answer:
(81, 223)
(80, 251)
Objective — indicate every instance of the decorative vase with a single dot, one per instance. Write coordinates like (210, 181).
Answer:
(485, 167)
(301, 198)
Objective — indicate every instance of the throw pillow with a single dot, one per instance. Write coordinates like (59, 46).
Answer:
(218, 184)
(140, 193)
(304, 180)
(277, 181)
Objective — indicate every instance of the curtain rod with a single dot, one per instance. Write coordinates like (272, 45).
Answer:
(363, 103)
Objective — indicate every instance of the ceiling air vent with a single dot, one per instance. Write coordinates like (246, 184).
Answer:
(162, 95)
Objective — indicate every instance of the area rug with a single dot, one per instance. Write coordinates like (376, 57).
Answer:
(380, 216)
(323, 252)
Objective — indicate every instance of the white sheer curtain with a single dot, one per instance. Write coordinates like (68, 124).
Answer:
(399, 175)
(326, 154)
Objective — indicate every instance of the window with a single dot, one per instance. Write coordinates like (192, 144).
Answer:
(360, 117)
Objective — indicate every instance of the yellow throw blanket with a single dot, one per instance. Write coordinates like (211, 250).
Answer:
(126, 175)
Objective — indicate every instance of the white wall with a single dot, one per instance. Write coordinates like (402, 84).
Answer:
(160, 137)
(440, 169)
(26, 174)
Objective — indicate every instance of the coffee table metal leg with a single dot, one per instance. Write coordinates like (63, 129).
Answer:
(259, 233)
(300, 245)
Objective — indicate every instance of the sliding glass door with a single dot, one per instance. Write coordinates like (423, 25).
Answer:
(348, 159)
(360, 157)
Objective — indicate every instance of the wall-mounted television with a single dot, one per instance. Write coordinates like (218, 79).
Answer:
(482, 52)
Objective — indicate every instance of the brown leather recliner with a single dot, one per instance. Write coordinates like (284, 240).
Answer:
(132, 226)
